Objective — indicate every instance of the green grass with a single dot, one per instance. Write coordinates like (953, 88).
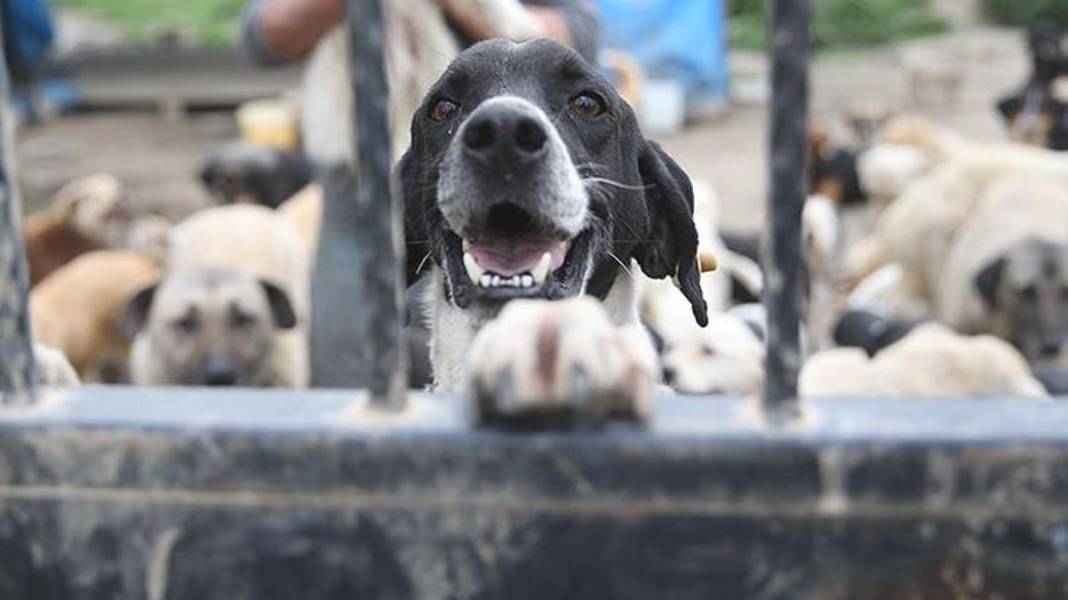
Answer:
(1026, 12)
(842, 23)
(207, 22)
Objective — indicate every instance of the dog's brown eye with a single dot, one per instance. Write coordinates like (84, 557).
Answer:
(443, 110)
(587, 105)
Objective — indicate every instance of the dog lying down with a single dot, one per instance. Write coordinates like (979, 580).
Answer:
(528, 179)
(931, 361)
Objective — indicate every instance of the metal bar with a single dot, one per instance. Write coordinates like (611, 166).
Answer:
(185, 493)
(789, 20)
(16, 346)
(357, 319)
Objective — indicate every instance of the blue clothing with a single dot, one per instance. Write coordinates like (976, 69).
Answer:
(28, 35)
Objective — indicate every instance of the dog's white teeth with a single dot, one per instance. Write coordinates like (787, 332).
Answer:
(474, 271)
(493, 280)
(541, 272)
(466, 246)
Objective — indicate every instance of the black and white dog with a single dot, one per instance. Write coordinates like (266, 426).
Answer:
(529, 179)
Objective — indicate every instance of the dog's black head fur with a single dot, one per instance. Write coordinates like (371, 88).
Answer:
(528, 142)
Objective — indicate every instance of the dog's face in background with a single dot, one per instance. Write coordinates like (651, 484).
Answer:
(529, 178)
(1026, 291)
(98, 207)
(209, 327)
(244, 172)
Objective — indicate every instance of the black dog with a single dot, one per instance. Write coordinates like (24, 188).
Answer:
(1033, 114)
(244, 172)
(528, 178)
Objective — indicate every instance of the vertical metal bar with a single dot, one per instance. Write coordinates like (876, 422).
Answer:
(372, 220)
(789, 35)
(16, 346)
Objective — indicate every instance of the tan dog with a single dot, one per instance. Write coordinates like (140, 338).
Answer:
(932, 361)
(211, 327)
(253, 244)
(917, 229)
(245, 238)
(92, 213)
(1008, 269)
(76, 310)
(304, 211)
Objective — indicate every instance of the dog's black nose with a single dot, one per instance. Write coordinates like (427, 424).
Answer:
(669, 375)
(219, 372)
(501, 135)
(1051, 348)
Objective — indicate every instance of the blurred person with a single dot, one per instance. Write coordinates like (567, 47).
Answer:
(422, 37)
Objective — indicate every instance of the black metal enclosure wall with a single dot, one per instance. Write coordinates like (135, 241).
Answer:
(203, 494)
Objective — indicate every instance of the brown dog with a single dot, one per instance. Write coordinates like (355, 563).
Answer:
(76, 310)
(92, 213)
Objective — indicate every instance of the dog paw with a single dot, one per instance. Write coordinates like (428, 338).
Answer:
(542, 361)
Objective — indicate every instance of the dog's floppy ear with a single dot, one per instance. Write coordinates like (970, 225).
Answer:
(671, 250)
(987, 281)
(135, 313)
(281, 308)
(416, 236)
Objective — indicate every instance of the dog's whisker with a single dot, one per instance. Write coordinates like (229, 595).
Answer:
(625, 267)
(602, 180)
(422, 263)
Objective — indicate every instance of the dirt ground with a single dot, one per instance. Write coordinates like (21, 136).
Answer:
(158, 157)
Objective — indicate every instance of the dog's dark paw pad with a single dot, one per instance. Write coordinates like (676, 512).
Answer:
(542, 363)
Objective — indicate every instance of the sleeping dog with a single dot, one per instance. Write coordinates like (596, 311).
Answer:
(528, 178)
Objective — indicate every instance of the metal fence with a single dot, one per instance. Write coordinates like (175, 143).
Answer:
(204, 493)
(360, 343)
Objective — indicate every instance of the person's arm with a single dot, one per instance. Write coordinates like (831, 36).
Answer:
(277, 31)
(547, 21)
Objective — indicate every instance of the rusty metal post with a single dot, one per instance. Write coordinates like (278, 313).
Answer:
(789, 48)
(16, 347)
(358, 310)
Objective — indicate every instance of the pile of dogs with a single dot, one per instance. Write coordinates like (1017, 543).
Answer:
(959, 288)
(221, 298)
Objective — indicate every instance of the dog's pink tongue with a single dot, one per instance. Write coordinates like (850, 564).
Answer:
(512, 255)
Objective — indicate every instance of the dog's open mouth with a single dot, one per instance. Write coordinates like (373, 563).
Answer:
(513, 256)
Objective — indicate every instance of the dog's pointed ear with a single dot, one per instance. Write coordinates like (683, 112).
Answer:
(987, 281)
(671, 250)
(281, 307)
(416, 237)
(135, 314)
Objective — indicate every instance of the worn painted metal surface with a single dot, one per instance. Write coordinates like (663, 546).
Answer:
(789, 115)
(16, 351)
(123, 493)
